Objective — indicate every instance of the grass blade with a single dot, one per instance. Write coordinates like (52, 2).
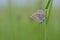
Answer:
(47, 6)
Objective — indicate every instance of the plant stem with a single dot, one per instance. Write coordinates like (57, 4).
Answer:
(48, 10)
(47, 6)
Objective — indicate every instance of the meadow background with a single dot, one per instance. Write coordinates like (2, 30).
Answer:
(15, 23)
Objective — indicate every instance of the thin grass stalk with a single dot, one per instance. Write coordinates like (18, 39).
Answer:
(49, 6)
(49, 12)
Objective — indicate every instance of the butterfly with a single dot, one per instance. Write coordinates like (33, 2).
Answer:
(39, 15)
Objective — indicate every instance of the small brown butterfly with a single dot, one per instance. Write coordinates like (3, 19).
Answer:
(39, 15)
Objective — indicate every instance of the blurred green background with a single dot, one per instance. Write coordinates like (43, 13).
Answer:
(15, 23)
